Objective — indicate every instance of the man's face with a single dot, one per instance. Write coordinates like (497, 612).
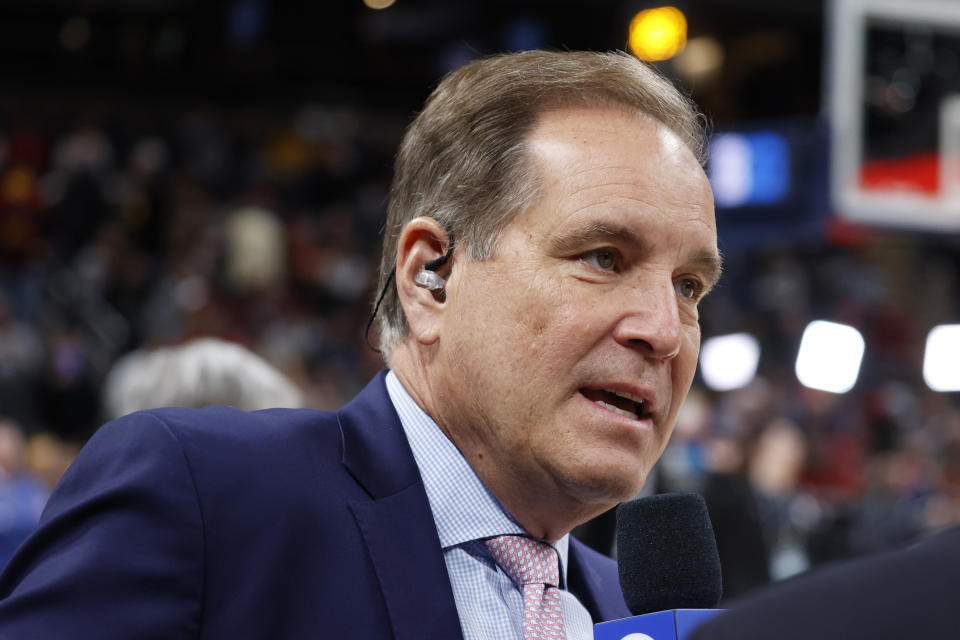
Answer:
(566, 356)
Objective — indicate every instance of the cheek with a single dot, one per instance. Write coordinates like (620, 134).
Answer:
(529, 325)
(497, 330)
(530, 309)
(692, 348)
(556, 336)
(685, 365)
(539, 342)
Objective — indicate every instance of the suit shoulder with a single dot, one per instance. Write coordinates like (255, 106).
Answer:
(229, 426)
(220, 436)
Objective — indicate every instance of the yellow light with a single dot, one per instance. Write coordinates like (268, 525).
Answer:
(658, 34)
(378, 4)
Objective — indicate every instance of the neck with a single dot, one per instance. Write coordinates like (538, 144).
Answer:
(547, 513)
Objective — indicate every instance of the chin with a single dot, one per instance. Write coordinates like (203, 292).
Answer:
(608, 485)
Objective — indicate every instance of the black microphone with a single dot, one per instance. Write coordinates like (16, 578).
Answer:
(667, 554)
(668, 564)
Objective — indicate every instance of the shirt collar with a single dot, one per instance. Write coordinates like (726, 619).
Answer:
(463, 508)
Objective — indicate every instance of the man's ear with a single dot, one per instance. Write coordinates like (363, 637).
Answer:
(421, 241)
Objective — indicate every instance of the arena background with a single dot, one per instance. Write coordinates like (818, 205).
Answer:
(174, 169)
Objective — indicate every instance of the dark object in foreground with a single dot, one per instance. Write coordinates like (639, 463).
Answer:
(667, 554)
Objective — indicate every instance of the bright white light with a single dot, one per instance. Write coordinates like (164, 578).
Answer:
(731, 169)
(830, 356)
(940, 369)
(729, 362)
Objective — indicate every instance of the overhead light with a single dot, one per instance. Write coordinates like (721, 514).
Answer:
(658, 34)
(830, 356)
(940, 358)
(730, 361)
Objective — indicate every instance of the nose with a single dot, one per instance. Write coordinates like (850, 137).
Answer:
(652, 322)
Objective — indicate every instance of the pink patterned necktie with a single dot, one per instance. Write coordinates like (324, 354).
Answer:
(534, 567)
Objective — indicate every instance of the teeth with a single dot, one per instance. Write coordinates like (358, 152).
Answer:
(615, 409)
(624, 394)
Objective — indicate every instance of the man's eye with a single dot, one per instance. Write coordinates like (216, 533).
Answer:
(605, 259)
(689, 288)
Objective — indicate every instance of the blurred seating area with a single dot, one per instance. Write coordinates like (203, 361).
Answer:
(794, 476)
(126, 227)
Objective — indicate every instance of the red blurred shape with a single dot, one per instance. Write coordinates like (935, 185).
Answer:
(917, 173)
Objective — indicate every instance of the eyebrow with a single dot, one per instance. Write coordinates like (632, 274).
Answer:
(594, 232)
(712, 265)
(598, 231)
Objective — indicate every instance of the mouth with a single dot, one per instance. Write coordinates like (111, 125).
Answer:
(620, 402)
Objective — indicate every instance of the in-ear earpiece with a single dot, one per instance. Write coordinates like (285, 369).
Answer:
(429, 280)
(426, 278)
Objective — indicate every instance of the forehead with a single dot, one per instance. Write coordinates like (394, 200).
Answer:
(613, 163)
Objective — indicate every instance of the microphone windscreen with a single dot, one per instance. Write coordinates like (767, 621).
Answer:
(667, 554)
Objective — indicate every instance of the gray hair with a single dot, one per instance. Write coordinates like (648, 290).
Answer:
(463, 159)
(202, 372)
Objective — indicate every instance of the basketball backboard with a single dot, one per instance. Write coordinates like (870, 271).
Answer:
(894, 105)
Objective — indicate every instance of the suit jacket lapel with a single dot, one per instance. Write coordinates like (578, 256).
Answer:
(596, 584)
(396, 523)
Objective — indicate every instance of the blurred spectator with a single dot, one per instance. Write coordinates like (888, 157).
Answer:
(254, 252)
(48, 457)
(22, 495)
(203, 372)
(67, 395)
(737, 522)
(786, 511)
(21, 364)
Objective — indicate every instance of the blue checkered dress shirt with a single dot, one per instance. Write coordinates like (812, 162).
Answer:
(489, 605)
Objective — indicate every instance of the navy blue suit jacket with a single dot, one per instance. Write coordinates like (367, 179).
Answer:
(220, 524)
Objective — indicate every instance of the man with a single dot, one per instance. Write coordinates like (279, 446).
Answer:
(197, 373)
(550, 233)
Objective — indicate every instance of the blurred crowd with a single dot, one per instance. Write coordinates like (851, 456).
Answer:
(131, 227)
(796, 477)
